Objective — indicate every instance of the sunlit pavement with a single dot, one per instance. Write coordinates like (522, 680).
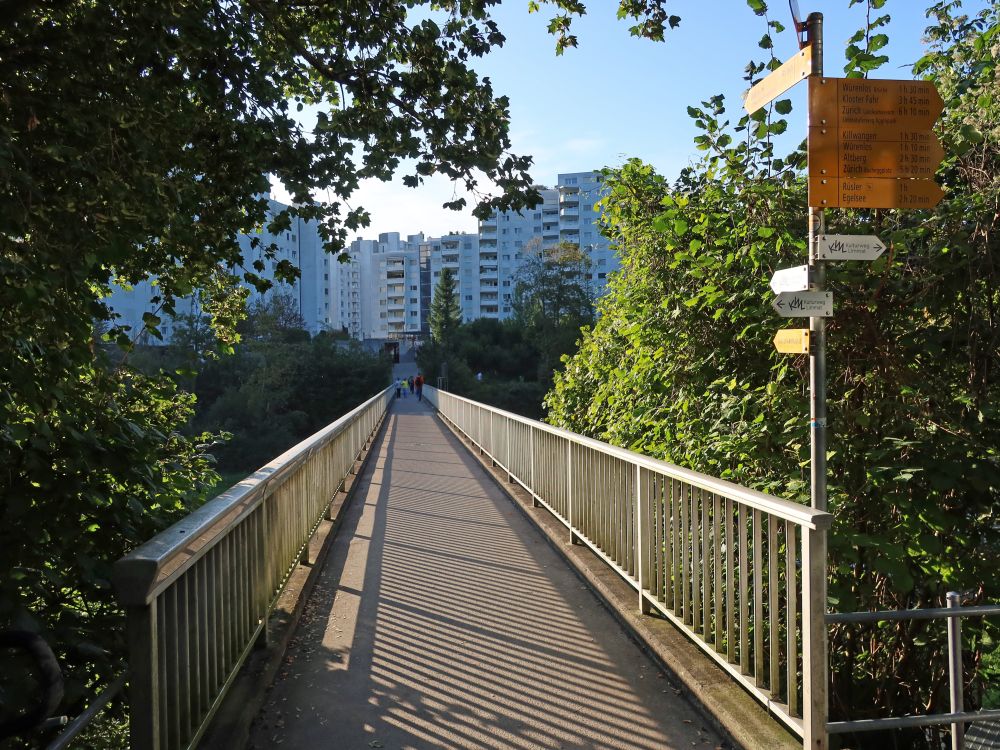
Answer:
(443, 619)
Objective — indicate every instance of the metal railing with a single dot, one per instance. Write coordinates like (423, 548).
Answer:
(741, 572)
(958, 716)
(198, 594)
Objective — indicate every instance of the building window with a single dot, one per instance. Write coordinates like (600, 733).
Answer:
(326, 290)
(506, 257)
(503, 231)
(536, 216)
(602, 275)
(468, 297)
(518, 243)
(326, 277)
(413, 288)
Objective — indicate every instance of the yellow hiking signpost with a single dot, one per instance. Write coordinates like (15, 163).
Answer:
(792, 341)
(871, 145)
(778, 81)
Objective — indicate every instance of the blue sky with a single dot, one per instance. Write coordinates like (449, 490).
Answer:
(616, 96)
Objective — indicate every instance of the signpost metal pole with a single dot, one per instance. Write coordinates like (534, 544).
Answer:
(817, 325)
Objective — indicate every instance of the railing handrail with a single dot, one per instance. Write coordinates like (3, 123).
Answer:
(149, 568)
(784, 509)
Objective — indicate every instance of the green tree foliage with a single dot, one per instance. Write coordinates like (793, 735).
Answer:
(502, 352)
(136, 140)
(553, 300)
(552, 303)
(445, 315)
(680, 363)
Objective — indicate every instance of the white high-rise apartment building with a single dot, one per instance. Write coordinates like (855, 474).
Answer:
(300, 245)
(379, 289)
(384, 291)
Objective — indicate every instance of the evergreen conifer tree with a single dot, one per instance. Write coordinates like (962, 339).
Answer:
(445, 314)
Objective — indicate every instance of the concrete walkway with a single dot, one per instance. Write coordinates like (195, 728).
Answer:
(443, 619)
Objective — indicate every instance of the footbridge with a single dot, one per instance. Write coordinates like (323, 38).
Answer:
(440, 573)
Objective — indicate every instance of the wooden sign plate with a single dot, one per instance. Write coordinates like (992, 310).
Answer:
(862, 152)
(872, 192)
(778, 81)
(890, 107)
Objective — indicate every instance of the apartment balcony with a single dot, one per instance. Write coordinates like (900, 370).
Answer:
(568, 200)
(489, 310)
(487, 243)
(572, 213)
(488, 297)
(488, 257)
(550, 235)
(488, 270)
(489, 284)
(449, 258)
(570, 232)
(395, 274)
(487, 232)
(447, 244)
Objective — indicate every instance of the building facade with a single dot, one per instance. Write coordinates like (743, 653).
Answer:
(384, 290)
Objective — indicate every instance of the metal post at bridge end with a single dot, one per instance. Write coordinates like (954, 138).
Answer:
(955, 671)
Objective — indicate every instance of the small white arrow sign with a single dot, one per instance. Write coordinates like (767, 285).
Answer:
(849, 247)
(790, 279)
(804, 304)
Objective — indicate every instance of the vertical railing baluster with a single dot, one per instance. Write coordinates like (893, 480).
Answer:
(791, 625)
(685, 503)
(696, 558)
(730, 527)
(706, 569)
(644, 540)
(773, 615)
(145, 695)
(758, 602)
(745, 588)
(717, 594)
(676, 532)
(814, 643)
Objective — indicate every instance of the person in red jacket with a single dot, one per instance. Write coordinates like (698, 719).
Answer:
(419, 384)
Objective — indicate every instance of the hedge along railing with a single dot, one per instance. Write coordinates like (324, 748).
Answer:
(741, 572)
(198, 594)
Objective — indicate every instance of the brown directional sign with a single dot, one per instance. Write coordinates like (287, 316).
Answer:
(778, 81)
(863, 152)
(891, 107)
(870, 143)
(872, 192)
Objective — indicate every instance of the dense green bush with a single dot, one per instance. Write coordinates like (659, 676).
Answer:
(680, 364)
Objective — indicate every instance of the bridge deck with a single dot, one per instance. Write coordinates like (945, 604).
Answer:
(443, 619)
